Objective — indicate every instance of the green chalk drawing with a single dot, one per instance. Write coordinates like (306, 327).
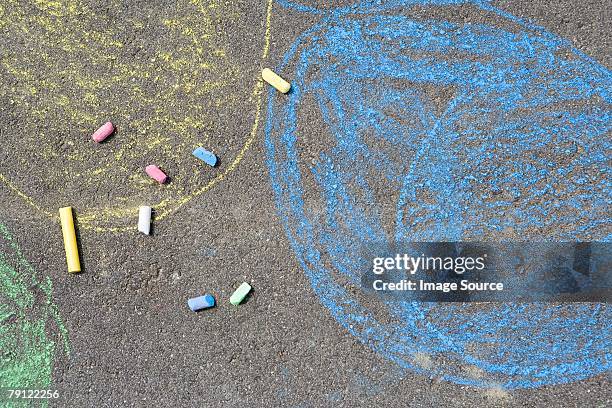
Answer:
(30, 325)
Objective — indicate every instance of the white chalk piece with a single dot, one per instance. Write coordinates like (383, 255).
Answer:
(144, 219)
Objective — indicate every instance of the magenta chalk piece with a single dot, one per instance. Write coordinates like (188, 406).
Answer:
(155, 173)
(105, 131)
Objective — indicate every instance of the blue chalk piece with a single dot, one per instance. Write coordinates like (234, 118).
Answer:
(201, 302)
(206, 156)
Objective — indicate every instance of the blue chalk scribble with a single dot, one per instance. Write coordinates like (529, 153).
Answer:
(440, 130)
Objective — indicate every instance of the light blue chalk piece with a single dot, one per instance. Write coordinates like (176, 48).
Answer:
(201, 302)
(206, 156)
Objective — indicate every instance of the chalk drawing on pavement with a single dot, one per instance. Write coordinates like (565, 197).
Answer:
(160, 77)
(31, 330)
(438, 130)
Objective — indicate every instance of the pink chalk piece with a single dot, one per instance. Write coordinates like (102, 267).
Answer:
(155, 173)
(105, 131)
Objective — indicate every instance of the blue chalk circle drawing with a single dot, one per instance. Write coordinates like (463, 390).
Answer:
(417, 126)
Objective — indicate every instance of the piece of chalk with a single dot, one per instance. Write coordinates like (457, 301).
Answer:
(155, 173)
(240, 293)
(144, 219)
(276, 81)
(70, 243)
(201, 302)
(206, 156)
(105, 131)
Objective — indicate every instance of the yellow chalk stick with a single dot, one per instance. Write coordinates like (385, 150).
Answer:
(277, 82)
(70, 243)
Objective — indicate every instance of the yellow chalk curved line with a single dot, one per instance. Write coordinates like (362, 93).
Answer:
(173, 205)
(26, 198)
(257, 93)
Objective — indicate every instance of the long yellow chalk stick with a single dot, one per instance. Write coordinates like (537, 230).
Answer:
(276, 81)
(70, 243)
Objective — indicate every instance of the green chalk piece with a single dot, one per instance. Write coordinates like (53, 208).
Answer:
(240, 293)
